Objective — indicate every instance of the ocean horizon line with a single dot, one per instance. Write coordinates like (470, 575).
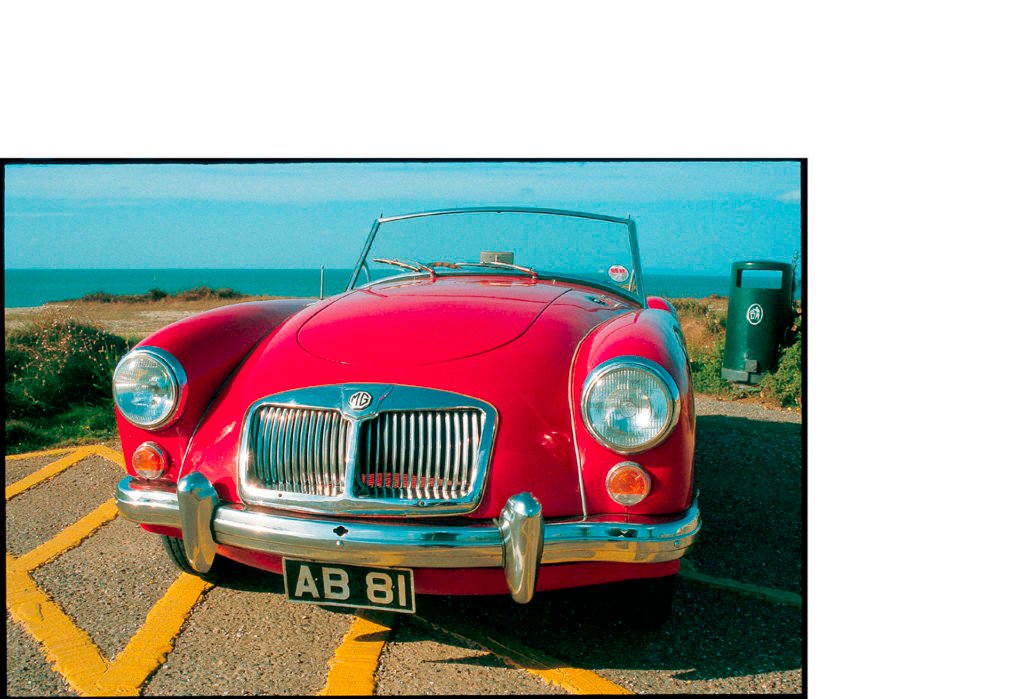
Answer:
(31, 287)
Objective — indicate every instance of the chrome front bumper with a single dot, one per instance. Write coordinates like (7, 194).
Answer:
(518, 541)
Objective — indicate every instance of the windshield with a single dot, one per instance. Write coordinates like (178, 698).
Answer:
(525, 243)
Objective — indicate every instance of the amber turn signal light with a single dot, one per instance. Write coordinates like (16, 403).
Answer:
(149, 461)
(628, 483)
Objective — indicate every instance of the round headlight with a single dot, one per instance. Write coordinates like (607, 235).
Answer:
(630, 404)
(147, 387)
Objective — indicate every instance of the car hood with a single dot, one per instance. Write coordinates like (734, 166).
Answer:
(425, 321)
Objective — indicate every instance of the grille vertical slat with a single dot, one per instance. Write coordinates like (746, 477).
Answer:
(319, 451)
(265, 461)
(420, 456)
(339, 433)
(286, 451)
(297, 450)
(456, 455)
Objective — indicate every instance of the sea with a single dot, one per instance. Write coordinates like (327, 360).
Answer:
(34, 287)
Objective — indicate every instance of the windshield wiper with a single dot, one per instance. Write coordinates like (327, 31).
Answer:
(496, 265)
(408, 264)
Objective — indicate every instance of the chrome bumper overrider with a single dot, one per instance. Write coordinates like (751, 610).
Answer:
(518, 541)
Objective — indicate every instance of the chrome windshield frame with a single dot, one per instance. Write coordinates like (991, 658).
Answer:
(634, 250)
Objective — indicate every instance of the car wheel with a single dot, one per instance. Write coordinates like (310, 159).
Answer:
(175, 549)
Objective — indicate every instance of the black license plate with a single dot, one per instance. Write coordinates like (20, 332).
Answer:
(350, 586)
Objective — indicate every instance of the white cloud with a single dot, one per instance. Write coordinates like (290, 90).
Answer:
(792, 195)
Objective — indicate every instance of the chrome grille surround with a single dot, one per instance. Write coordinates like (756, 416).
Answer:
(410, 452)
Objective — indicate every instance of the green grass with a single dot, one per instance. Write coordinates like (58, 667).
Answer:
(82, 424)
(57, 383)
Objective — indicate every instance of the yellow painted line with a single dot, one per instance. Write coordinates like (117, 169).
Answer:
(148, 648)
(47, 472)
(109, 454)
(70, 649)
(551, 670)
(35, 454)
(355, 660)
(67, 539)
(689, 571)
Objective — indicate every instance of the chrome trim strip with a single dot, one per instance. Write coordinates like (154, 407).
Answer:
(394, 410)
(642, 363)
(572, 420)
(147, 503)
(506, 210)
(361, 262)
(416, 545)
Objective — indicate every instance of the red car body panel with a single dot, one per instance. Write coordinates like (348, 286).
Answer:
(209, 347)
(481, 313)
(524, 346)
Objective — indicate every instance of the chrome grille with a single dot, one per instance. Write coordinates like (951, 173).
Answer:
(409, 451)
(420, 454)
(299, 450)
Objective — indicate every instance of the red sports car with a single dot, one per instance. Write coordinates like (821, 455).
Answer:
(493, 406)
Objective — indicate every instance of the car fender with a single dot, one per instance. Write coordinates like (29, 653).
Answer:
(652, 334)
(209, 346)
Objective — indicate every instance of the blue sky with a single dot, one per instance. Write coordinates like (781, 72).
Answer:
(695, 217)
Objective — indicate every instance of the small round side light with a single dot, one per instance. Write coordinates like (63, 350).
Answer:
(150, 461)
(628, 483)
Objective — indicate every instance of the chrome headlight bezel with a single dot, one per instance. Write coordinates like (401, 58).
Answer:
(656, 371)
(175, 374)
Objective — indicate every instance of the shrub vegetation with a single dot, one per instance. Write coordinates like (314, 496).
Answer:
(199, 293)
(783, 386)
(57, 383)
(704, 329)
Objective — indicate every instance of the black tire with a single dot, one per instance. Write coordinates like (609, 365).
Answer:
(175, 549)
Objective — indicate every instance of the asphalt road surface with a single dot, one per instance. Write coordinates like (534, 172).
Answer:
(95, 607)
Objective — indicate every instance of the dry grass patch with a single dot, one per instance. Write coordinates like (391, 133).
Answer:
(127, 319)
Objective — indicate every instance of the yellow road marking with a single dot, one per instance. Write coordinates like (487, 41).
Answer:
(67, 539)
(148, 648)
(47, 472)
(689, 571)
(109, 454)
(551, 670)
(355, 660)
(34, 454)
(70, 649)
(74, 654)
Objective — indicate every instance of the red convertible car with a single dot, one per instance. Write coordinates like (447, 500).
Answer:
(493, 406)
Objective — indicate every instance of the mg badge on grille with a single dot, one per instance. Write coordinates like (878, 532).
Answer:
(360, 400)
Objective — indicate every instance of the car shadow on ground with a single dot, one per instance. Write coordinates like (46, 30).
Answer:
(750, 474)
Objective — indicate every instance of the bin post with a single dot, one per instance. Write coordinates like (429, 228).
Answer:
(760, 311)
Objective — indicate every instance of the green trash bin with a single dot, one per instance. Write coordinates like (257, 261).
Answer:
(760, 312)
